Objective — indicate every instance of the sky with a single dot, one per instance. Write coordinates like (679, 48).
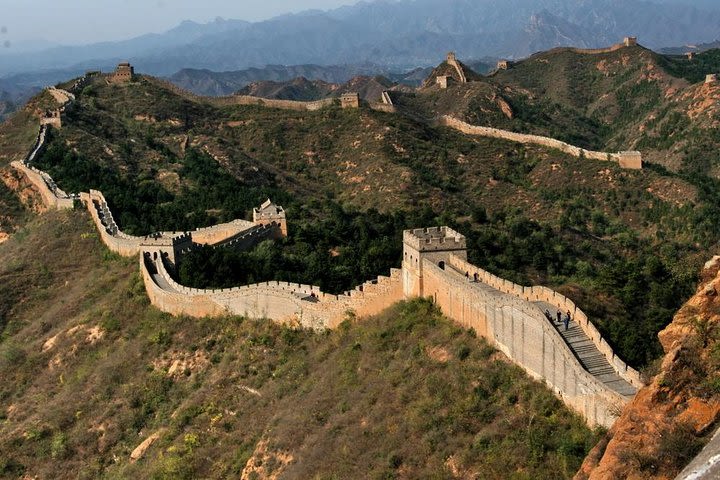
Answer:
(75, 22)
(28, 24)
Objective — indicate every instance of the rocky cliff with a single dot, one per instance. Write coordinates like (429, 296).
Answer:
(668, 422)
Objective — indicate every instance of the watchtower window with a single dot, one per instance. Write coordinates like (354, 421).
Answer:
(441, 265)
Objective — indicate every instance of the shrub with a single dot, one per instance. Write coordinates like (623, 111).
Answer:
(58, 446)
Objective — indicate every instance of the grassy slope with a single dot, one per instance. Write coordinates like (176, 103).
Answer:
(492, 103)
(625, 244)
(18, 133)
(84, 379)
(638, 99)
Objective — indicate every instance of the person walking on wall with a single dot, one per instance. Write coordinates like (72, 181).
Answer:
(548, 316)
(567, 321)
(559, 316)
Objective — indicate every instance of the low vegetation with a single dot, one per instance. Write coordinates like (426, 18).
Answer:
(89, 370)
(622, 244)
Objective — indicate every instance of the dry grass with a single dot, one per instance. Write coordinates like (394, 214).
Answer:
(84, 380)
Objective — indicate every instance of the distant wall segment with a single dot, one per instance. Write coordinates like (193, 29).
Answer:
(630, 160)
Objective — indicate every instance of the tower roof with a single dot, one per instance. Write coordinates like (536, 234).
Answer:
(269, 208)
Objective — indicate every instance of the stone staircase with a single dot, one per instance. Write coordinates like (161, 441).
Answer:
(588, 354)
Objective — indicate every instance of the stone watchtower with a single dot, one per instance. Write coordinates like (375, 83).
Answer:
(269, 213)
(350, 100)
(124, 73)
(434, 245)
(52, 117)
(169, 245)
(444, 81)
(630, 41)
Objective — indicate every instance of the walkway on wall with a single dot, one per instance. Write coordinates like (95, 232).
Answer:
(158, 278)
(588, 354)
(579, 343)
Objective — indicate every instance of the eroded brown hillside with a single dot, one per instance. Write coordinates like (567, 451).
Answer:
(669, 420)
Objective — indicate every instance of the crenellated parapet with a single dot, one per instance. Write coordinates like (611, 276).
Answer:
(592, 380)
(283, 302)
(171, 244)
(268, 214)
(434, 239)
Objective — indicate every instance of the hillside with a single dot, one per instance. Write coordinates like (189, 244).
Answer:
(624, 245)
(206, 82)
(701, 47)
(7, 106)
(297, 89)
(169, 162)
(369, 88)
(627, 98)
(90, 372)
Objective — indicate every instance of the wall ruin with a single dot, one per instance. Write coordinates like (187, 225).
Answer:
(350, 100)
(52, 118)
(268, 213)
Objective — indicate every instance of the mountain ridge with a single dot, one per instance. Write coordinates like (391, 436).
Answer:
(397, 34)
(623, 244)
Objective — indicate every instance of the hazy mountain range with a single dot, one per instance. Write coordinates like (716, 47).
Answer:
(406, 33)
(207, 82)
(387, 35)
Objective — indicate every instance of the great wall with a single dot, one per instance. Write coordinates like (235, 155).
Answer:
(577, 364)
(630, 160)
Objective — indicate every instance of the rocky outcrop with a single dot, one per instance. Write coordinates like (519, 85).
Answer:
(670, 419)
(140, 450)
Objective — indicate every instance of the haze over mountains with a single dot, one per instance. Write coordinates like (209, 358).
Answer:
(383, 36)
(400, 34)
